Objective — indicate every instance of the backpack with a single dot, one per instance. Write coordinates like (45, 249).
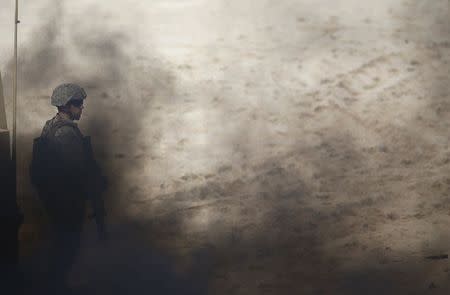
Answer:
(45, 160)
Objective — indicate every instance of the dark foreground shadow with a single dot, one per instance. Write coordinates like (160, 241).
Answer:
(122, 265)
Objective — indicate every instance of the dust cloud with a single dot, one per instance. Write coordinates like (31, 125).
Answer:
(301, 146)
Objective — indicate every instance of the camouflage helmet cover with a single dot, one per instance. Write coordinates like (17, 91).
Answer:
(67, 92)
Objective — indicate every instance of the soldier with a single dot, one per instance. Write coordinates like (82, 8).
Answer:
(66, 175)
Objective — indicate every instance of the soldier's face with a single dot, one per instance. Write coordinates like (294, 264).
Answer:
(76, 110)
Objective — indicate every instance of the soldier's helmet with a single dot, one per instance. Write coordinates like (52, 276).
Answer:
(67, 92)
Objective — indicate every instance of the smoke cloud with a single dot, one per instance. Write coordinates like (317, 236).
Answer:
(299, 146)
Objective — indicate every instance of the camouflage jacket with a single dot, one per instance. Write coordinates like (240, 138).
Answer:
(67, 141)
(77, 170)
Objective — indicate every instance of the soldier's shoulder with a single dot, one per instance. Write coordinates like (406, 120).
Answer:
(48, 127)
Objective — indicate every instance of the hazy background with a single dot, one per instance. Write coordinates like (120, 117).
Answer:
(305, 144)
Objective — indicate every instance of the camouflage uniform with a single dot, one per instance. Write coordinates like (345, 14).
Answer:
(67, 140)
(65, 200)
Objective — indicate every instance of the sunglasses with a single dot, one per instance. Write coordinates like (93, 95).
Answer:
(77, 103)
